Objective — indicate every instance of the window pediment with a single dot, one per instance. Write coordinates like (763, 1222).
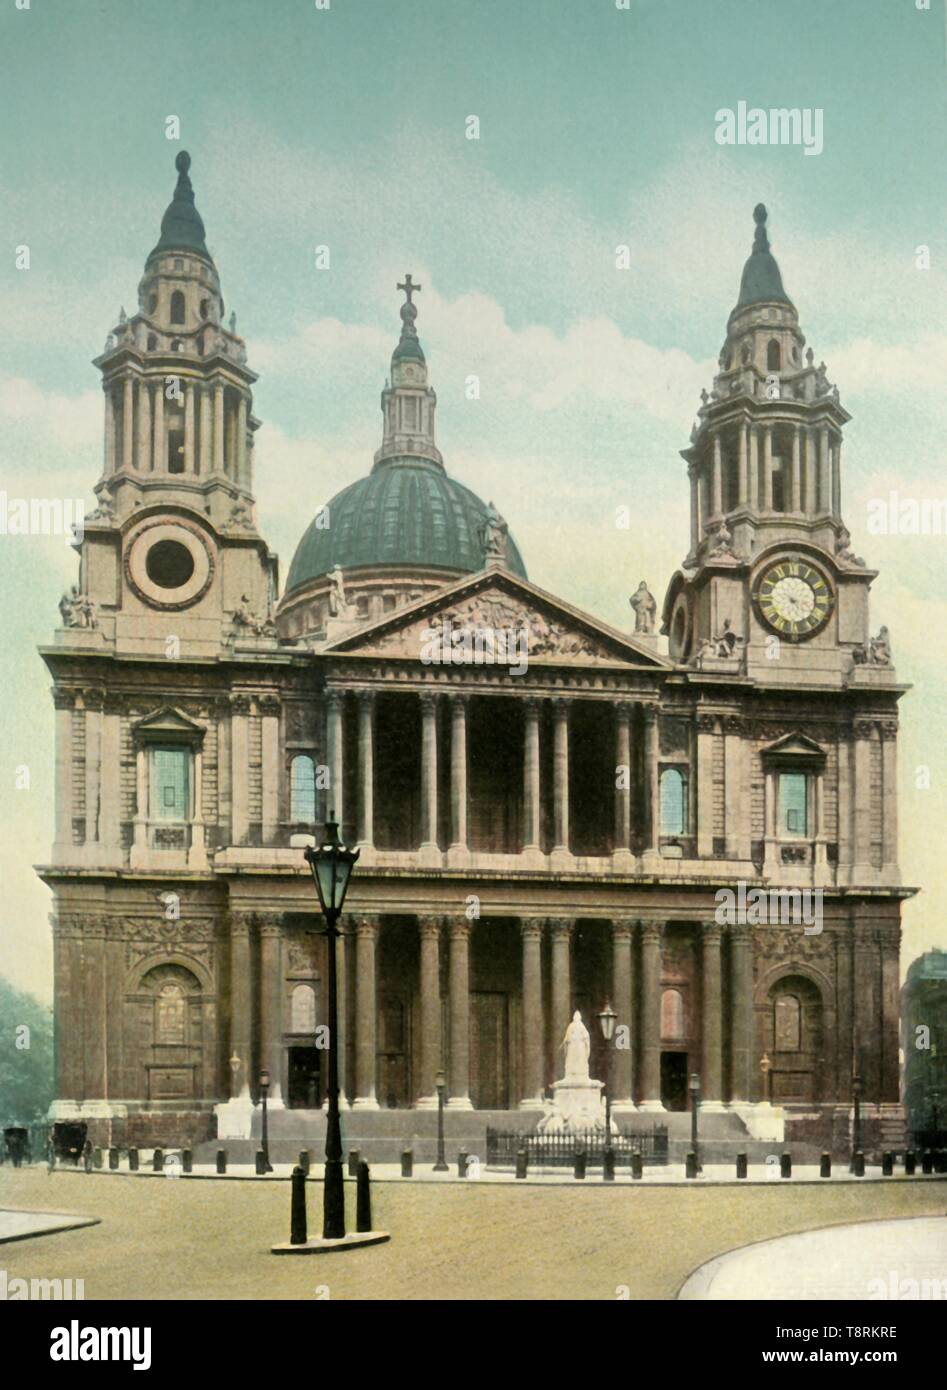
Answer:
(169, 724)
(796, 748)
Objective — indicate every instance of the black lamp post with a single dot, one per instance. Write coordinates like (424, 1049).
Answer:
(264, 1137)
(608, 1018)
(440, 1082)
(856, 1112)
(695, 1109)
(332, 864)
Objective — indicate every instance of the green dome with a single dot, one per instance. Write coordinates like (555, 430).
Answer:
(761, 282)
(406, 512)
(181, 226)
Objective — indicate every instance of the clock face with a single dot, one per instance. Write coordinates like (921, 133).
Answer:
(794, 599)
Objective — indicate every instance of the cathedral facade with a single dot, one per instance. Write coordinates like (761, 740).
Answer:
(551, 813)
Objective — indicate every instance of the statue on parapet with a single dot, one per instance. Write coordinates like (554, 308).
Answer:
(644, 606)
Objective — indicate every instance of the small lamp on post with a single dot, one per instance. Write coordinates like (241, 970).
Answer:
(235, 1065)
(440, 1084)
(331, 865)
(765, 1067)
(264, 1136)
(856, 1113)
(694, 1087)
(607, 1019)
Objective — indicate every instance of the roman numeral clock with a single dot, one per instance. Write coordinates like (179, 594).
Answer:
(794, 598)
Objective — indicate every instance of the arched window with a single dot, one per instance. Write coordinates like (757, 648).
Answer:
(152, 342)
(177, 306)
(672, 1015)
(773, 356)
(673, 802)
(170, 1015)
(787, 1023)
(302, 785)
(303, 1010)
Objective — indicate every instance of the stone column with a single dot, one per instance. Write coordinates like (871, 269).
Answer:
(561, 778)
(695, 509)
(335, 744)
(219, 461)
(796, 469)
(767, 468)
(458, 852)
(366, 769)
(531, 794)
(867, 1026)
(623, 782)
(109, 428)
(754, 469)
(825, 475)
(93, 701)
(144, 427)
(63, 701)
(711, 1074)
(429, 847)
(742, 1032)
(651, 1017)
(366, 931)
(110, 781)
(736, 783)
(159, 458)
(844, 813)
(560, 929)
(889, 798)
(706, 725)
(863, 870)
(241, 466)
(239, 765)
(429, 932)
(190, 462)
(890, 939)
(652, 781)
(531, 933)
(240, 1006)
(744, 465)
(269, 776)
(770, 800)
(128, 423)
(271, 1003)
(459, 965)
(140, 846)
(622, 1058)
(810, 472)
(67, 1013)
(717, 504)
(206, 434)
(95, 1011)
(115, 970)
(837, 479)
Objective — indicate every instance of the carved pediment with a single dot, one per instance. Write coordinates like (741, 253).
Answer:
(495, 620)
(794, 745)
(168, 722)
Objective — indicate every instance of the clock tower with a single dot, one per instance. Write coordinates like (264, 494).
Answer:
(770, 585)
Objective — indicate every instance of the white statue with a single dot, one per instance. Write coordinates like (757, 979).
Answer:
(338, 604)
(644, 606)
(578, 1047)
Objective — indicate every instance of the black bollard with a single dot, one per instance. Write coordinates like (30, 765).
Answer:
(887, 1164)
(304, 1161)
(637, 1164)
(940, 1160)
(521, 1163)
(690, 1165)
(608, 1165)
(578, 1167)
(927, 1161)
(187, 1161)
(785, 1165)
(407, 1163)
(157, 1161)
(858, 1164)
(741, 1165)
(462, 1164)
(260, 1163)
(87, 1157)
(825, 1166)
(297, 1209)
(221, 1160)
(910, 1163)
(97, 1157)
(363, 1199)
(113, 1159)
(133, 1160)
(354, 1157)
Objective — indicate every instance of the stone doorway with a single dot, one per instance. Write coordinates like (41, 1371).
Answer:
(674, 1080)
(489, 1049)
(304, 1078)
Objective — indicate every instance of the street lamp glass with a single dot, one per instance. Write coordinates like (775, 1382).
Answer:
(440, 1080)
(695, 1082)
(264, 1079)
(608, 1018)
(331, 866)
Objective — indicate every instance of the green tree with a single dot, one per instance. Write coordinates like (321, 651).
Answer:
(26, 1056)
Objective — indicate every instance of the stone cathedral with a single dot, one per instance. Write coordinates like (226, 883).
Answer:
(551, 813)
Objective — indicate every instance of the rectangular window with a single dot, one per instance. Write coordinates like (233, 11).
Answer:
(170, 784)
(793, 797)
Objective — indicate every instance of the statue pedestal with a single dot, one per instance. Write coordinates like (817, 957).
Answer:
(577, 1104)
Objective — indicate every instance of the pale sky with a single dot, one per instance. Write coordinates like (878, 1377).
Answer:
(346, 128)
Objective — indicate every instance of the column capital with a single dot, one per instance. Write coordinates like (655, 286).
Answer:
(364, 924)
(706, 723)
(623, 929)
(270, 923)
(652, 932)
(623, 710)
(241, 922)
(269, 703)
(429, 926)
(93, 697)
(429, 701)
(561, 705)
(888, 729)
(63, 699)
(459, 699)
(740, 933)
(863, 728)
(650, 710)
(531, 705)
(458, 927)
(240, 704)
(366, 698)
(333, 697)
(531, 928)
(711, 933)
(560, 926)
